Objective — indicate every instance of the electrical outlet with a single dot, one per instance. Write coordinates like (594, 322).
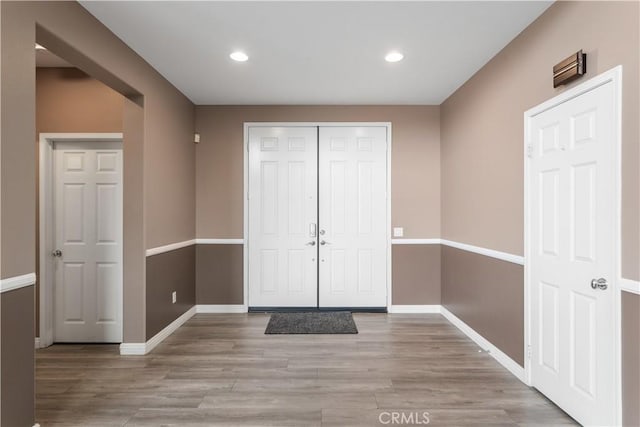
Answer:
(398, 231)
(174, 297)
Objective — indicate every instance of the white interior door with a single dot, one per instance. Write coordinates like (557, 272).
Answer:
(87, 195)
(572, 209)
(283, 215)
(353, 216)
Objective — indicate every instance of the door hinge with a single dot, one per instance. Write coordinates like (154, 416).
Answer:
(530, 151)
(529, 351)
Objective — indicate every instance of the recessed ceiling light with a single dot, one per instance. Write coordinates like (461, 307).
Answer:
(239, 56)
(393, 57)
(40, 47)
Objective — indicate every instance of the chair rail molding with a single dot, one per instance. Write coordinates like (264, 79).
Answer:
(17, 282)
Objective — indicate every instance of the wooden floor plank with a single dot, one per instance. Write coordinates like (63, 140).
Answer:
(221, 369)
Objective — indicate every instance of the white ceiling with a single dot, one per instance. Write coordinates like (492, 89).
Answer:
(317, 52)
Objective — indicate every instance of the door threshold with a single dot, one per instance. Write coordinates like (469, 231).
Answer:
(316, 309)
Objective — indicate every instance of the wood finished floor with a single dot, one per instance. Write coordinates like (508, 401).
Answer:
(223, 370)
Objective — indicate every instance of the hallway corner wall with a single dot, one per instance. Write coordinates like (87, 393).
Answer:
(158, 126)
(482, 128)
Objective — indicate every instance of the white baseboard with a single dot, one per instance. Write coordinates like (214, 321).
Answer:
(133, 349)
(511, 365)
(414, 309)
(239, 308)
(37, 343)
(221, 308)
(140, 349)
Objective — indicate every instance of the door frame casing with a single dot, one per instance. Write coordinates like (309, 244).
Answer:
(45, 221)
(613, 76)
(247, 125)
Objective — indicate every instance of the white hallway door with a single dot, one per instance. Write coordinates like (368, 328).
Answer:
(88, 241)
(317, 217)
(353, 217)
(573, 199)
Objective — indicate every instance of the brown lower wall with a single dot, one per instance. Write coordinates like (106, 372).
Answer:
(488, 295)
(168, 272)
(416, 274)
(17, 356)
(219, 274)
(630, 359)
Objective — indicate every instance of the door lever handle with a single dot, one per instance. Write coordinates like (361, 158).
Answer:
(311, 243)
(599, 284)
(324, 242)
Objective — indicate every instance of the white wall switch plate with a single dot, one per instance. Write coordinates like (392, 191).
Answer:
(398, 231)
(174, 297)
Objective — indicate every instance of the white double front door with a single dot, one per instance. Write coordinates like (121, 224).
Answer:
(317, 216)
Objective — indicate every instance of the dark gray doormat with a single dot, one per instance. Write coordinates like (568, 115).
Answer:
(323, 322)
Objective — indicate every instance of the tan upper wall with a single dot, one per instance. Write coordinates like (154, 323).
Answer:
(482, 124)
(166, 160)
(68, 100)
(415, 162)
(169, 170)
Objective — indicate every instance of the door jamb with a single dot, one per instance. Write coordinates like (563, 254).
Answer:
(45, 220)
(245, 192)
(613, 76)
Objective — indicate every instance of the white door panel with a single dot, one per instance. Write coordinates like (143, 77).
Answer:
(88, 233)
(282, 216)
(573, 237)
(353, 216)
